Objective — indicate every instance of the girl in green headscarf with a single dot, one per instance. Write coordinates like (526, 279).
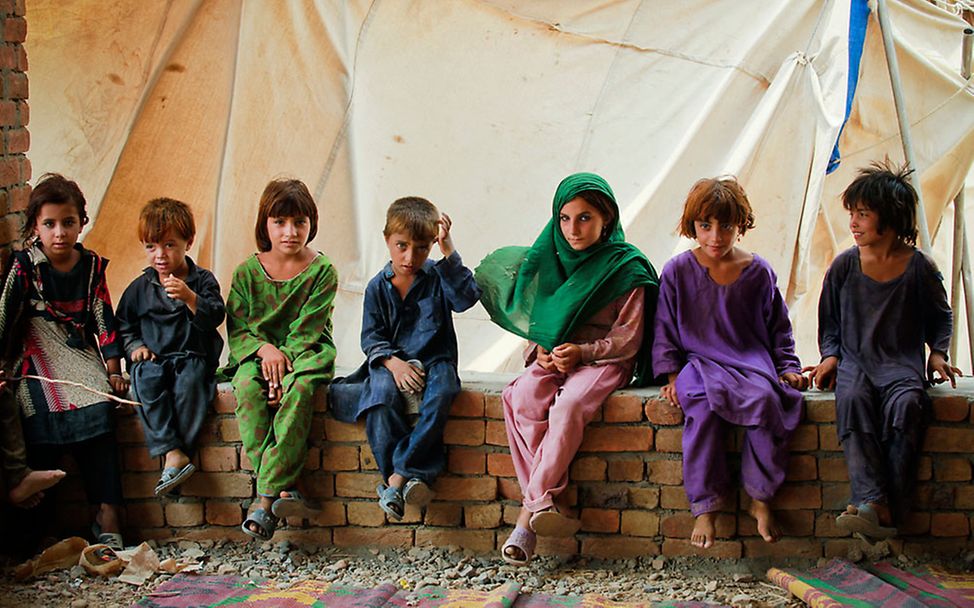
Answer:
(583, 297)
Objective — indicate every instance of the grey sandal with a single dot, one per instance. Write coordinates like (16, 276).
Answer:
(417, 492)
(266, 524)
(295, 505)
(522, 539)
(391, 501)
(172, 478)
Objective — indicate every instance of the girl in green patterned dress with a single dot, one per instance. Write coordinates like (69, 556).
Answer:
(281, 348)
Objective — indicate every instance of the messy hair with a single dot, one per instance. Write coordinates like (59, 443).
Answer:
(413, 216)
(284, 198)
(53, 188)
(721, 198)
(886, 190)
(162, 215)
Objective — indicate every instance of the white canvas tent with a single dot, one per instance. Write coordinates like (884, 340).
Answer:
(483, 106)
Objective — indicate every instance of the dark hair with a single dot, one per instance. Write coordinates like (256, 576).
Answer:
(887, 190)
(721, 198)
(284, 198)
(160, 215)
(604, 205)
(55, 189)
(414, 216)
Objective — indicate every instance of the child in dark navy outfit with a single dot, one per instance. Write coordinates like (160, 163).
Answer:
(169, 317)
(411, 350)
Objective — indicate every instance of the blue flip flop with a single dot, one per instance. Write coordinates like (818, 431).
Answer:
(391, 501)
(864, 521)
(266, 524)
(295, 505)
(172, 478)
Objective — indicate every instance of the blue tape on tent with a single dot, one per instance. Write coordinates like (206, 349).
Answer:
(858, 20)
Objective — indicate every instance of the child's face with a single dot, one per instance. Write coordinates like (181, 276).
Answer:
(58, 227)
(168, 255)
(864, 225)
(581, 224)
(288, 235)
(716, 239)
(407, 254)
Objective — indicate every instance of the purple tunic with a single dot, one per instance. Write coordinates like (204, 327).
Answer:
(730, 343)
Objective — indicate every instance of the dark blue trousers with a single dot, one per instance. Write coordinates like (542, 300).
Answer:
(175, 393)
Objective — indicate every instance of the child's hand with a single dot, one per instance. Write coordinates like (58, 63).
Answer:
(668, 391)
(566, 357)
(443, 238)
(3, 379)
(794, 380)
(938, 363)
(177, 289)
(543, 357)
(274, 365)
(822, 376)
(142, 353)
(120, 386)
(408, 378)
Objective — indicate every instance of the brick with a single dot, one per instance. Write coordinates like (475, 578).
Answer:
(480, 541)
(828, 439)
(365, 514)
(600, 520)
(219, 458)
(825, 526)
(220, 513)
(210, 431)
(509, 489)
(805, 438)
(835, 496)
(225, 402)
(468, 404)
(951, 409)
(964, 498)
(482, 516)
(23, 111)
(226, 485)
(674, 547)
(500, 465)
(925, 468)
(792, 523)
(14, 29)
(8, 113)
(840, 548)
(680, 525)
(802, 467)
(618, 547)
(229, 430)
(820, 411)
(443, 514)
(949, 524)
(629, 469)
(617, 439)
(832, 469)
(511, 514)
(128, 429)
(136, 485)
(138, 459)
(949, 439)
(18, 141)
(643, 498)
(143, 514)
(797, 496)
(22, 64)
(367, 537)
(665, 472)
(332, 514)
(367, 459)
(588, 468)
(639, 523)
(673, 497)
(8, 57)
(622, 408)
(915, 524)
(340, 458)
(939, 546)
(25, 168)
(496, 434)
(661, 412)
(343, 431)
(466, 462)
(465, 488)
(786, 547)
(554, 546)
(953, 469)
(464, 432)
(183, 514)
(669, 440)
(19, 197)
(356, 485)
(493, 407)
(16, 85)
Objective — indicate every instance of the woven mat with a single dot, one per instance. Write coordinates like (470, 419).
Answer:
(185, 591)
(841, 583)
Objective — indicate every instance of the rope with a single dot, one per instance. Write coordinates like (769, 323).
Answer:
(108, 396)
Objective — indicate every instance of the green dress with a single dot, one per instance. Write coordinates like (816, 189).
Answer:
(295, 316)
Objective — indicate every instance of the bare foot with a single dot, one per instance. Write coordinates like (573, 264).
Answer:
(34, 482)
(704, 531)
(767, 526)
(31, 501)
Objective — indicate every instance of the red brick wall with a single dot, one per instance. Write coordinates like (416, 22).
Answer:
(625, 481)
(14, 116)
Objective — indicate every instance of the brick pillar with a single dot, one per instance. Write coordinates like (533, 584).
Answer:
(15, 168)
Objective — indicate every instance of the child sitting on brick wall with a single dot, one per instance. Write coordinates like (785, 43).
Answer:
(580, 295)
(411, 353)
(881, 301)
(725, 342)
(57, 323)
(168, 317)
(279, 332)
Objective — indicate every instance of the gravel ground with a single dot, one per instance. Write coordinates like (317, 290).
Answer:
(733, 582)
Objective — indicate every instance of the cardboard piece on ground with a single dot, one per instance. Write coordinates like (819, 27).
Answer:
(61, 555)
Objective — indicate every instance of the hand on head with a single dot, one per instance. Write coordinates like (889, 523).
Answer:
(443, 238)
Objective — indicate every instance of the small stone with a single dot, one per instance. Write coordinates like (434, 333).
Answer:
(659, 563)
(76, 572)
(339, 565)
(284, 547)
(711, 586)
(79, 604)
(740, 577)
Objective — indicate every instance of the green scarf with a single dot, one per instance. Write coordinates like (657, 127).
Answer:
(544, 292)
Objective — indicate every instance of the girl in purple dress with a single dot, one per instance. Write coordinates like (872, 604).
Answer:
(724, 341)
